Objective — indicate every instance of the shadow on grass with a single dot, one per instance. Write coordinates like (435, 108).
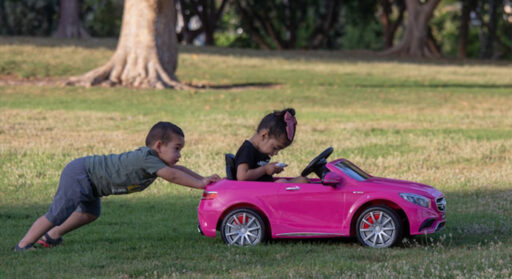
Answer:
(436, 85)
(60, 81)
(474, 218)
(237, 86)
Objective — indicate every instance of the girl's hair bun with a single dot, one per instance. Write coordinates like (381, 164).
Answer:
(283, 112)
(276, 124)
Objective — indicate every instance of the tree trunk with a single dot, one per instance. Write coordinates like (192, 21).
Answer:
(147, 51)
(389, 27)
(415, 42)
(464, 29)
(70, 25)
(490, 39)
(332, 15)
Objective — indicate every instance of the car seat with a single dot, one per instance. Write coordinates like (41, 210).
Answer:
(230, 166)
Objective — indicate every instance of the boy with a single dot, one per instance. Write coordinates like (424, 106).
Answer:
(84, 180)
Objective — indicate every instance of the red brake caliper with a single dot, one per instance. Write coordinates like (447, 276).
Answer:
(369, 220)
(240, 219)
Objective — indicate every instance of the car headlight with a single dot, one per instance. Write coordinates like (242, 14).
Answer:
(416, 199)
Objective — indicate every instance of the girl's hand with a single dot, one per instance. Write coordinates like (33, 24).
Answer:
(272, 168)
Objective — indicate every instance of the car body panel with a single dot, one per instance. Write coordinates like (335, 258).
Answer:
(295, 210)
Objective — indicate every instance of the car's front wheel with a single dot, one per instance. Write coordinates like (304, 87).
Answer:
(378, 227)
(243, 227)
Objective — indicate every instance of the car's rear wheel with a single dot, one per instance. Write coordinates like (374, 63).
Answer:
(243, 227)
(379, 227)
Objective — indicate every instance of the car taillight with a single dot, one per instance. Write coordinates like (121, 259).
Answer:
(209, 195)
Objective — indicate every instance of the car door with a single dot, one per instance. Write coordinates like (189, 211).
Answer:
(308, 209)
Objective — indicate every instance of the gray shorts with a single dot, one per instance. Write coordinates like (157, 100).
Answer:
(75, 193)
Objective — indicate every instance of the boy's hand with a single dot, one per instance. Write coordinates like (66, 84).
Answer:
(209, 180)
(272, 168)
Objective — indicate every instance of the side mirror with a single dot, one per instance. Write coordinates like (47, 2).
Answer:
(331, 179)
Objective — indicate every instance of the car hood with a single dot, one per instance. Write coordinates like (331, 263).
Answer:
(403, 186)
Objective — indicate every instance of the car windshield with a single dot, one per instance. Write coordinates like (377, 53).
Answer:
(351, 170)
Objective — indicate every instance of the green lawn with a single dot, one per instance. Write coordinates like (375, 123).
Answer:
(443, 123)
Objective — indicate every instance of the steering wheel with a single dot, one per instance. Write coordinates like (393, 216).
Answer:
(317, 165)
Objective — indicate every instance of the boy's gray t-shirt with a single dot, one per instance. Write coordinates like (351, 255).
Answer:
(123, 173)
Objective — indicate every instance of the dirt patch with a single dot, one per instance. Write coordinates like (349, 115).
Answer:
(61, 81)
(47, 81)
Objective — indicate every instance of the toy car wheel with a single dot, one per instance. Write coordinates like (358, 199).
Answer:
(378, 227)
(243, 227)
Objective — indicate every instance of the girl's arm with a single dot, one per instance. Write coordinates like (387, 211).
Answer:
(244, 173)
(178, 176)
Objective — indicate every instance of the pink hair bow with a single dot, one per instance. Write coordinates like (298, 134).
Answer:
(291, 122)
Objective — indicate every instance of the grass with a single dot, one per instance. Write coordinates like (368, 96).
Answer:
(447, 124)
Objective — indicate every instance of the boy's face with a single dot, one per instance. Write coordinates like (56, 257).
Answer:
(170, 152)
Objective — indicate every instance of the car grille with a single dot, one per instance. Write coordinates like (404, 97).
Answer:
(441, 204)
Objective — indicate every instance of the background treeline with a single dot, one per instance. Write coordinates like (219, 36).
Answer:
(468, 28)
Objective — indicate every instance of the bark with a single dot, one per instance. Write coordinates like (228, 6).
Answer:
(187, 35)
(208, 13)
(251, 27)
(147, 51)
(388, 25)
(320, 36)
(210, 16)
(70, 25)
(415, 42)
(279, 24)
(490, 39)
(485, 29)
(464, 29)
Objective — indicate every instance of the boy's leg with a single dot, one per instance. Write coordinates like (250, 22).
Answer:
(75, 221)
(298, 179)
(38, 229)
(86, 212)
(73, 190)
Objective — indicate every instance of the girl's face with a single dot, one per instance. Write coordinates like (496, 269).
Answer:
(271, 145)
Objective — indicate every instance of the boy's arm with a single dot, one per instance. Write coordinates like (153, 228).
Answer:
(178, 176)
(188, 171)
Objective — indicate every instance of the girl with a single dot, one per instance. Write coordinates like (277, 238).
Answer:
(275, 132)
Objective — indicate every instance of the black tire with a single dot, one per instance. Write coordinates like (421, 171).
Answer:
(243, 227)
(379, 227)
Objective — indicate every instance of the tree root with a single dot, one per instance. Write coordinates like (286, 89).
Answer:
(129, 72)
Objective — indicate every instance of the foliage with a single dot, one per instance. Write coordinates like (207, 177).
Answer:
(28, 17)
(362, 36)
(288, 24)
(102, 18)
(445, 24)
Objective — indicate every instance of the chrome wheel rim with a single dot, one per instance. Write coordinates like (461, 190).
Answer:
(377, 229)
(243, 229)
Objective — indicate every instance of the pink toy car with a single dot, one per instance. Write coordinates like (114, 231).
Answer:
(345, 201)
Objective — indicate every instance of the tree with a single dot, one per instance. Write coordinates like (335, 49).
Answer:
(467, 7)
(492, 28)
(185, 33)
(388, 25)
(417, 40)
(70, 25)
(288, 24)
(147, 51)
(209, 14)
